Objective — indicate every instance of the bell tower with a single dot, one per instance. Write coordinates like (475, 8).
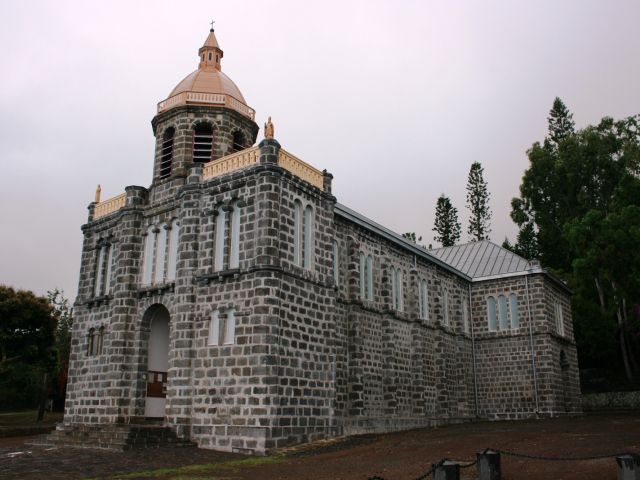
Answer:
(205, 117)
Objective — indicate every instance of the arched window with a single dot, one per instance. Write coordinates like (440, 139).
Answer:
(504, 314)
(297, 233)
(221, 220)
(214, 328)
(234, 261)
(166, 152)
(230, 328)
(363, 277)
(399, 291)
(97, 286)
(445, 307)
(513, 305)
(492, 314)
(369, 277)
(307, 240)
(394, 289)
(238, 141)
(202, 143)
(108, 275)
(423, 300)
(336, 262)
(559, 318)
(147, 261)
(100, 341)
(161, 253)
(90, 341)
(174, 238)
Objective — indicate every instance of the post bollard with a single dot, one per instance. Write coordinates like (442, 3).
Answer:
(628, 467)
(447, 470)
(488, 465)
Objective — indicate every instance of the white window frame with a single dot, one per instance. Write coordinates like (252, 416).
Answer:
(234, 261)
(161, 254)
(492, 313)
(148, 255)
(219, 239)
(174, 239)
(513, 311)
(214, 329)
(230, 328)
(307, 237)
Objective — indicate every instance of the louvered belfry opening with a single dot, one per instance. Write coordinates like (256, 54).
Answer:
(238, 141)
(166, 153)
(202, 143)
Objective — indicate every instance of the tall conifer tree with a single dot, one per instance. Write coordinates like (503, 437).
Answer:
(478, 204)
(446, 225)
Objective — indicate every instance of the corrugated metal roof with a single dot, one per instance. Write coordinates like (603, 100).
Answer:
(481, 259)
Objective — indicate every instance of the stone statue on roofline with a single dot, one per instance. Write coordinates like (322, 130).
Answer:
(268, 129)
(98, 191)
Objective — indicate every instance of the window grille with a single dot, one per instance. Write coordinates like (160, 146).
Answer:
(166, 152)
(202, 143)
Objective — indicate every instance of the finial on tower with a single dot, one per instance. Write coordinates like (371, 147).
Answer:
(98, 192)
(268, 129)
(212, 22)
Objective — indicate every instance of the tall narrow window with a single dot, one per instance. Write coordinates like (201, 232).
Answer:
(307, 242)
(492, 314)
(465, 315)
(513, 306)
(394, 289)
(363, 277)
(161, 253)
(90, 341)
(149, 246)
(238, 141)
(97, 290)
(336, 262)
(230, 328)
(297, 233)
(214, 328)
(399, 291)
(202, 143)
(174, 238)
(166, 152)
(221, 220)
(559, 318)
(423, 300)
(107, 277)
(234, 261)
(445, 306)
(100, 341)
(504, 314)
(369, 277)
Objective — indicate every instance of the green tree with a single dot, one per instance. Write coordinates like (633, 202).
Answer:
(411, 236)
(27, 338)
(478, 204)
(63, 313)
(446, 226)
(577, 207)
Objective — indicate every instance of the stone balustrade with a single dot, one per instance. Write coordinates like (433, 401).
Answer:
(109, 206)
(230, 163)
(200, 98)
(300, 169)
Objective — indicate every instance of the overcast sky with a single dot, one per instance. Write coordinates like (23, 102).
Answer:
(395, 98)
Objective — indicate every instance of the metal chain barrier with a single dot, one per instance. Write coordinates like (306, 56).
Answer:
(556, 459)
(517, 455)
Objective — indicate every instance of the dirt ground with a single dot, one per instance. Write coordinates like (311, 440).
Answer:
(397, 456)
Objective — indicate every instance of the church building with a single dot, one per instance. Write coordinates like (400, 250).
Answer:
(237, 304)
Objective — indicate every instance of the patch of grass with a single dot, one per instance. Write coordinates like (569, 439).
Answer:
(177, 473)
(27, 417)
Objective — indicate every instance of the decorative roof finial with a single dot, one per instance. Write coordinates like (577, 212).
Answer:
(98, 191)
(268, 129)
(212, 22)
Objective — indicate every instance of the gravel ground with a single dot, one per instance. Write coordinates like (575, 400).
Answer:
(397, 456)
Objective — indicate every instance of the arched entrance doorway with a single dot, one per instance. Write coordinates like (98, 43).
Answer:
(157, 317)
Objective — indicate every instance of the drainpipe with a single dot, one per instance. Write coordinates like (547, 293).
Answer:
(533, 351)
(473, 354)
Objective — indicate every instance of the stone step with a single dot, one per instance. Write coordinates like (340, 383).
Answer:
(114, 437)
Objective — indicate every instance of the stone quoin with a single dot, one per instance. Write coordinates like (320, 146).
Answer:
(237, 303)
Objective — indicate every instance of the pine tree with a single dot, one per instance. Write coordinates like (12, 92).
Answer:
(446, 226)
(478, 204)
(561, 123)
